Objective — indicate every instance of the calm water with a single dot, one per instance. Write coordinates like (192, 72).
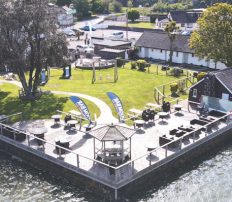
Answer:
(208, 180)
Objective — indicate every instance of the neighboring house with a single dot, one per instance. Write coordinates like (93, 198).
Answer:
(215, 84)
(156, 45)
(110, 49)
(185, 20)
(63, 15)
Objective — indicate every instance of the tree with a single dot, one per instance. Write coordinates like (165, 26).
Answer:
(82, 7)
(171, 29)
(116, 6)
(97, 6)
(63, 2)
(133, 15)
(29, 41)
(213, 39)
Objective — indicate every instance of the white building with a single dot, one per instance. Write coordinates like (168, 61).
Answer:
(64, 15)
(185, 20)
(156, 45)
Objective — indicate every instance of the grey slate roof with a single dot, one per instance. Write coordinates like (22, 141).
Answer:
(112, 133)
(160, 40)
(184, 16)
(225, 77)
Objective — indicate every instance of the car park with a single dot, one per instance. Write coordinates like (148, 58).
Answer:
(117, 35)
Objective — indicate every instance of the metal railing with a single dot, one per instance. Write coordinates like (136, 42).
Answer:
(90, 167)
(145, 161)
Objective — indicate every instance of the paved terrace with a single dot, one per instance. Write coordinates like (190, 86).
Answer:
(82, 144)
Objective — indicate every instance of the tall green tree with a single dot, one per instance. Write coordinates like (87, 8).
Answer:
(82, 7)
(28, 36)
(213, 39)
(171, 29)
(133, 15)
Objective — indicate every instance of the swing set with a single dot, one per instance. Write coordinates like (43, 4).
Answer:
(105, 75)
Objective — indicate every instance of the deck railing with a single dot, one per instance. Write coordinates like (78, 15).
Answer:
(122, 174)
(149, 159)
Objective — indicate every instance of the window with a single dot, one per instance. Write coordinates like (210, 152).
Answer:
(152, 49)
(182, 24)
(189, 25)
(192, 54)
(161, 50)
(140, 49)
(195, 93)
(177, 54)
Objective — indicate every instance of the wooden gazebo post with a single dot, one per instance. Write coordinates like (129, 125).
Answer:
(94, 148)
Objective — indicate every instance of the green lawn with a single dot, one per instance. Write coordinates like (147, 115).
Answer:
(147, 25)
(43, 108)
(134, 88)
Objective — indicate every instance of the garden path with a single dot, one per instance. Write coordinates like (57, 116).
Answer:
(106, 116)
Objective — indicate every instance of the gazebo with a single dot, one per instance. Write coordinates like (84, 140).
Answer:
(113, 148)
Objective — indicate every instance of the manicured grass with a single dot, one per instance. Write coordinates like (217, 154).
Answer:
(146, 25)
(43, 108)
(135, 88)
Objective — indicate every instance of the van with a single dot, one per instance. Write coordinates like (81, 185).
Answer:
(117, 35)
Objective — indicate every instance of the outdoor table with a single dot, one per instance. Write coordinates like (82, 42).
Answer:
(139, 123)
(163, 115)
(38, 131)
(150, 146)
(56, 118)
(88, 127)
(135, 113)
(63, 141)
(178, 108)
(72, 123)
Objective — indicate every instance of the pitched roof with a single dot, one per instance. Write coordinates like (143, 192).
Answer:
(224, 76)
(160, 40)
(112, 133)
(184, 16)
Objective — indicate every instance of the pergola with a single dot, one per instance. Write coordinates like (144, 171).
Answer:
(112, 138)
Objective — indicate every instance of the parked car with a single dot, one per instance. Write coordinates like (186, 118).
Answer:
(69, 32)
(85, 49)
(78, 30)
(117, 35)
(87, 28)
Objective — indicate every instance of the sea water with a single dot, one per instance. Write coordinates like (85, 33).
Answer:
(209, 179)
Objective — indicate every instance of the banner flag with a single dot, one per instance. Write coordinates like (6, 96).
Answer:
(118, 105)
(81, 106)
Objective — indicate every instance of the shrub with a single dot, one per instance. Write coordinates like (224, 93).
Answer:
(141, 64)
(174, 88)
(133, 65)
(200, 75)
(176, 72)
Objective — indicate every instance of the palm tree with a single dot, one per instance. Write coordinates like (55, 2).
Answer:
(171, 29)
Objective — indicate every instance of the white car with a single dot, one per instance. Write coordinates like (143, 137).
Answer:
(117, 35)
(85, 49)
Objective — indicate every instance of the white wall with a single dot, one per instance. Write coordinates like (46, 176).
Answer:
(178, 58)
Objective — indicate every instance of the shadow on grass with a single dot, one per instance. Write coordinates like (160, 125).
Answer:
(4, 95)
(43, 108)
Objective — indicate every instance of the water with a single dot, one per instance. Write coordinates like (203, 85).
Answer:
(207, 180)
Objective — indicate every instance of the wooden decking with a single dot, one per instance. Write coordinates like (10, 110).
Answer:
(82, 144)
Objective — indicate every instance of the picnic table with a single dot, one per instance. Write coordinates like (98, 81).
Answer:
(134, 113)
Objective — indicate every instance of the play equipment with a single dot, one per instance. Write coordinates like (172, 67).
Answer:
(67, 72)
